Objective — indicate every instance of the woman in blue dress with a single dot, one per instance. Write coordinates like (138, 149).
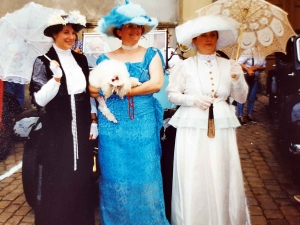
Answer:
(129, 151)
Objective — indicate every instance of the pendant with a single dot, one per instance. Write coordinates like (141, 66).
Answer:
(208, 63)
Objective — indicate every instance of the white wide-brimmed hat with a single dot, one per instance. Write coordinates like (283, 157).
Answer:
(77, 20)
(123, 14)
(226, 27)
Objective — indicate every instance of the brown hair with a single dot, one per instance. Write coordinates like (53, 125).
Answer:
(116, 33)
(59, 27)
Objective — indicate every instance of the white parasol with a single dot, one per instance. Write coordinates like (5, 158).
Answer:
(262, 25)
(22, 40)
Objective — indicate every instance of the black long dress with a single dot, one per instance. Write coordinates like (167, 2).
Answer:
(64, 195)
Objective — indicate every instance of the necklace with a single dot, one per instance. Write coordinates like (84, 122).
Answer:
(125, 47)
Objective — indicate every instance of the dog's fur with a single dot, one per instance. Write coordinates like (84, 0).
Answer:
(112, 77)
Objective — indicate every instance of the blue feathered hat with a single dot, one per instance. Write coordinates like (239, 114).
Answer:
(123, 14)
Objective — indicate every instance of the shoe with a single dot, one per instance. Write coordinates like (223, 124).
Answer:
(242, 120)
(251, 119)
(297, 198)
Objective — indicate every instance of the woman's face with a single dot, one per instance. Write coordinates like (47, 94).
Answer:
(130, 34)
(206, 42)
(65, 39)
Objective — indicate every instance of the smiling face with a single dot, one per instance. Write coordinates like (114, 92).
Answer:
(65, 38)
(130, 34)
(206, 42)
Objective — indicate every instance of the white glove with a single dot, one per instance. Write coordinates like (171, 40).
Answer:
(56, 70)
(236, 70)
(203, 101)
(94, 130)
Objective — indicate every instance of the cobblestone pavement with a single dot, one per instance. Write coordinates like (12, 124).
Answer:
(268, 180)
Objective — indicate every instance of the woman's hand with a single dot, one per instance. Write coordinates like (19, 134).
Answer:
(203, 101)
(56, 70)
(93, 131)
(235, 69)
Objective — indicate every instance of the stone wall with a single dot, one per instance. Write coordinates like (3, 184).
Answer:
(163, 10)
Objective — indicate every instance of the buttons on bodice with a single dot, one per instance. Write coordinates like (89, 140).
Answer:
(213, 93)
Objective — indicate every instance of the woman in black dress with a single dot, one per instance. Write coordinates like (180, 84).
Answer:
(65, 155)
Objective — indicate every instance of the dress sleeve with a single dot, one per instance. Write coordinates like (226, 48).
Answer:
(101, 58)
(176, 86)
(93, 105)
(42, 89)
(239, 87)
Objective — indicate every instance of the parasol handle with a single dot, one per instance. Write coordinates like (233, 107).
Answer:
(245, 14)
(239, 42)
(94, 166)
(37, 50)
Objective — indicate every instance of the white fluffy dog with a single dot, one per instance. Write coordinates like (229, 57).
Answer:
(112, 77)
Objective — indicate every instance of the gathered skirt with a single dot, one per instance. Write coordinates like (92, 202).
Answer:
(208, 186)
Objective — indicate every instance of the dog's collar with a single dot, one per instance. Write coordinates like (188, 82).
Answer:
(125, 47)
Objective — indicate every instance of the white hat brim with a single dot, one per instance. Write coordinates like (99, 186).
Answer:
(226, 27)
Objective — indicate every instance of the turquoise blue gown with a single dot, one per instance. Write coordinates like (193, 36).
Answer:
(129, 156)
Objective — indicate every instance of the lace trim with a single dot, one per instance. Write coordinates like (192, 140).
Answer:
(206, 57)
(15, 79)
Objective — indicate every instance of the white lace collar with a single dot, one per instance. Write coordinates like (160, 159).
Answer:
(206, 57)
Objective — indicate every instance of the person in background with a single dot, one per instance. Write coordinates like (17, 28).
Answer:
(253, 64)
(66, 154)
(96, 46)
(10, 108)
(131, 182)
(160, 43)
(173, 57)
(208, 183)
(17, 90)
(78, 45)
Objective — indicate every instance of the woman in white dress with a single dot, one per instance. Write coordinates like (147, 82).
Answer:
(207, 178)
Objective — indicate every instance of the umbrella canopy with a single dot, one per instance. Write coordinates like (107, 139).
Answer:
(262, 25)
(22, 40)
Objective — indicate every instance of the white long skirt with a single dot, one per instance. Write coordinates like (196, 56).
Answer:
(208, 186)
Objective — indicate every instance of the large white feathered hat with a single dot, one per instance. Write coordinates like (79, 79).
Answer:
(226, 27)
(77, 20)
(123, 14)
